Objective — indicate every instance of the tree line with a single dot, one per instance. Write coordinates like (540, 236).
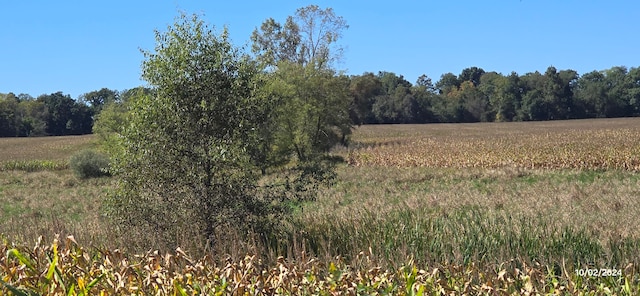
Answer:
(55, 114)
(474, 95)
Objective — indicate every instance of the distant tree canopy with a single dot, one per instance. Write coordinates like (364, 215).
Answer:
(55, 114)
(472, 96)
(477, 96)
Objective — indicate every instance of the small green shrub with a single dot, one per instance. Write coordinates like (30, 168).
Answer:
(89, 164)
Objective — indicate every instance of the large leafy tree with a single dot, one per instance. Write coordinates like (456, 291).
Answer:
(312, 114)
(97, 99)
(633, 92)
(397, 104)
(503, 94)
(447, 83)
(591, 94)
(364, 89)
(472, 74)
(310, 99)
(617, 99)
(426, 95)
(185, 160)
(308, 37)
(112, 119)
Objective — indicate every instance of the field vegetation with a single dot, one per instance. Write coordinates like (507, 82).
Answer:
(386, 226)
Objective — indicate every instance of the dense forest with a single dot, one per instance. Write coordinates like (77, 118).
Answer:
(474, 95)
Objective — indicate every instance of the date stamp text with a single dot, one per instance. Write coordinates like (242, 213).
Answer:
(601, 272)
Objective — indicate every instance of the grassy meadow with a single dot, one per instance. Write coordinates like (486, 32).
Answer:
(493, 208)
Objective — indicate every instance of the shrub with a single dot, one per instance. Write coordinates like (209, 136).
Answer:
(89, 164)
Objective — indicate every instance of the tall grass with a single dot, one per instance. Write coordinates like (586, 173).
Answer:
(33, 165)
(464, 237)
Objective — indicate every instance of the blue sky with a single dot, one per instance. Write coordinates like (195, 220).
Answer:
(79, 46)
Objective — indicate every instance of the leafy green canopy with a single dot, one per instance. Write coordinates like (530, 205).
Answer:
(183, 159)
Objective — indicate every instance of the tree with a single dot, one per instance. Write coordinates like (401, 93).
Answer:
(532, 104)
(112, 119)
(447, 83)
(34, 116)
(502, 93)
(470, 105)
(8, 110)
(308, 37)
(364, 89)
(189, 157)
(396, 104)
(591, 94)
(633, 91)
(183, 161)
(426, 95)
(312, 112)
(617, 99)
(64, 116)
(311, 100)
(97, 99)
(558, 92)
(472, 74)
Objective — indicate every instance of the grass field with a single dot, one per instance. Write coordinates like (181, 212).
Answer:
(503, 208)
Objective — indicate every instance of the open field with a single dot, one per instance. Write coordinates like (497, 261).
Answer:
(576, 144)
(506, 207)
(41, 153)
(43, 148)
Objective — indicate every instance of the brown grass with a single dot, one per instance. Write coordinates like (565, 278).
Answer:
(43, 203)
(43, 148)
(578, 144)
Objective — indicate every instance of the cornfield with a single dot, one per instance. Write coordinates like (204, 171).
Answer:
(450, 146)
(68, 269)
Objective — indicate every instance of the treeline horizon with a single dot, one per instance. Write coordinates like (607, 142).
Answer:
(474, 95)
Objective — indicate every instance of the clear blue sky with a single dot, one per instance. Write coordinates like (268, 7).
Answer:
(80, 46)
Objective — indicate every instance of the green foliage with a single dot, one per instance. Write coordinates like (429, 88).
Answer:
(192, 151)
(113, 118)
(363, 89)
(308, 37)
(21, 116)
(89, 164)
(311, 114)
(64, 116)
(97, 99)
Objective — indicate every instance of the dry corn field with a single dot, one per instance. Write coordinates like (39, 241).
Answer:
(43, 148)
(65, 268)
(580, 144)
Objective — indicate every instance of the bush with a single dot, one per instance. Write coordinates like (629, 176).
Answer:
(89, 164)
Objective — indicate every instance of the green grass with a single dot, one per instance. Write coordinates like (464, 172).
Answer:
(48, 202)
(480, 216)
